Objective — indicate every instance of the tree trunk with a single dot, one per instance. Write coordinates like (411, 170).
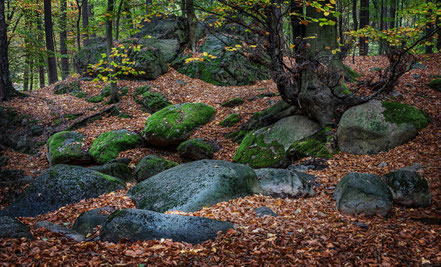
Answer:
(63, 39)
(79, 6)
(340, 22)
(85, 13)
(147, 4)
(192, 25)
(392, 10)
(41, 63)
(114, 98)
(382, 11)
(364, 21)
(6, 88)
(26, 73)
(298, 29)
(429, 29)
(52, 65)
(118, 17)
(438, 40)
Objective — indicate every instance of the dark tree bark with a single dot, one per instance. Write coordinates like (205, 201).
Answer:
(85, 12)
(392, 11)
(298, 29)
(6, 88)
(63, 39)
(382, 11)
(80, 4)
(191, 27)
(41, 63)
(340, 22)
(52, 64)
(118, 17)
(429, 29)
(114, 97)
(364, 21)
(147, 4)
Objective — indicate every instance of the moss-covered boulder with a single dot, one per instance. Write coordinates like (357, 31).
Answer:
(107, 145)
(135, 224)
(231, 120)
(320, 145)
(284, 183)
(192, 186)
(154, 101)
(174, 124)
(435, 84)
(233, 102)
(268, 146)
(225, 67)
(378, 126)
(67, 147)
(149, 61)
(115, 169)
(151, 165)
(363, 193)
(408, 188)
(196, 149)
(58, 186)
(67, 88)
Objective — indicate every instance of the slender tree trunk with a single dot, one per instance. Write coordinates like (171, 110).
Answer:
(364, 21)
(26, 74)
(298, 29)
(6, 88)
(381, 46)
(147, 4)
(191, 24)
(340, 22)
(392, 10)
(429, 29)
(114, 98)
(41, 63)
(31, 74)
(79, 6)
(63, 39)
(85, 12)
(52, 64)
(118, 16)
(355, 22)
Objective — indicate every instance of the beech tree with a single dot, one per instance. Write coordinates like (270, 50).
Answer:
(6, 88)
(48, 27)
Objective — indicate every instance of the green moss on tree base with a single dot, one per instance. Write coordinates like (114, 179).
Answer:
(401, 113)
(317, 145)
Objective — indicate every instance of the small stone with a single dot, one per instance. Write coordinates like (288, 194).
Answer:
(382, 164)
(265, 211)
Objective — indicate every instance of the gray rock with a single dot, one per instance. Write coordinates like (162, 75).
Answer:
(151, 165)
(265, 211)
(196, 149)
(58, 186)
(115, 169)
(378, 126)
(61, 230)
(268, 146)
(13, 228)
(192, 186)
(87, 221)
(408, 188)
(284, 183)
(134, 224)
(363, 193)
(67, 147)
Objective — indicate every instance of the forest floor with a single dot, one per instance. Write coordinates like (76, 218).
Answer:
(307, 231)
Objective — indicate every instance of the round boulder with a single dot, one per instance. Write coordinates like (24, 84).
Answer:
(68, 148)
(363, 193)
(174, 124)
(151, 165)
(196, 149)
(13, 228)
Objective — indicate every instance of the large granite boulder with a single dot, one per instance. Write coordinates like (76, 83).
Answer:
(68, 148)
(149, 61)
(192, 186)
(65, 88)
(408, 188)
(222, 66)
(115, 169)
(284, 183)
(196, 149)
(378, 126)
(363, 193)
(268, 146)
(174, 124)
(151, 165)
(135, 224)
(154, 101)
(58, 186)
(13, 228)
(87, 221)
(107, 145)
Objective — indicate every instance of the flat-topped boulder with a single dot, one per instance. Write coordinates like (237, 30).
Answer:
(67, 147)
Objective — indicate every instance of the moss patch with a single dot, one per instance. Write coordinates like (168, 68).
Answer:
(401, 113)
(231, 120)
(254, 152)
(435, 84)
(154, 102)
(111, 178)
(233, 102)
(317, 145)
(95, 99)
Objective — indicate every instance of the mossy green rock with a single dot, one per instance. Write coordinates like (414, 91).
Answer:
(196, 149)
(115, 169)
(58, 186)
(363, 193)
(378, 126)
(107, 145)
(67, 147)
(151, 165)
(65, 88)
(136, 224)
(435, 84)
(231, 120)
(154, 102)
(174, 124)
(192, 186)
(408, 188)
(233, 102)
(318, 145)
(268, 146)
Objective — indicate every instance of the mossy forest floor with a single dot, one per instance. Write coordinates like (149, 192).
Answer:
(307, 232)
